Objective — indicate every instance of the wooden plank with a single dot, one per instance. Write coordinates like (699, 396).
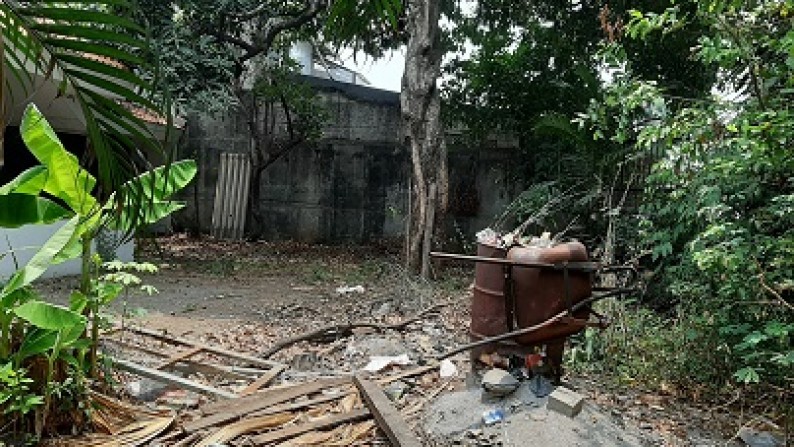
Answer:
(220, 406)
(299, 405)
(163, 376)
(320, 424)
(231, 431)
(128, 345)
(386, 415)
(205, 347)
(263, 380)
(241, 407)
(178, 357)
(188, 366)
(410, 373)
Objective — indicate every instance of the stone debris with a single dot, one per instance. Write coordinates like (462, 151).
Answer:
(565, 401)
(448, 369)
(757, 438)
(499, 382)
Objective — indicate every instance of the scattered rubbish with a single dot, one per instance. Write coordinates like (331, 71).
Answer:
(565, 402)
(185, 360)
(447, 369)
(396, 390)
(178, 399)
(493, 359)
(146, 390)
(499, 382)
(379, 363)
(344, 290)
(488, 236)
(382, 310)
(756, 438)
(494, 416)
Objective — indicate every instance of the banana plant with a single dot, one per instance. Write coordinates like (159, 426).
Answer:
(72, 187)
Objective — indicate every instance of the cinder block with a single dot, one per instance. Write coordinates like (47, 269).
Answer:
(565, 401)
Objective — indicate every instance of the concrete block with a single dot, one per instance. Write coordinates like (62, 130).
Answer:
(565, 401)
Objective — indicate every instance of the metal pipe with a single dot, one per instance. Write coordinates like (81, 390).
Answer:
(572, 266)
(536, 327)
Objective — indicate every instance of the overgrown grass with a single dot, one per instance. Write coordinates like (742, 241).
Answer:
(681, 354)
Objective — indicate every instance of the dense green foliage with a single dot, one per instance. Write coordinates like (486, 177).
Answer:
(46, 351)
(527, 70)
(717, 220)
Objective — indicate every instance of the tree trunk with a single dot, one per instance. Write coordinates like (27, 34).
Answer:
(421, 107)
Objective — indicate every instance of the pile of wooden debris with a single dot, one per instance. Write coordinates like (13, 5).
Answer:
(239, 406)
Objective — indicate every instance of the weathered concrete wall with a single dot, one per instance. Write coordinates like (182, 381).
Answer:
(352, 185)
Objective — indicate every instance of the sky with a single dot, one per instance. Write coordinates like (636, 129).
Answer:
(384, 73)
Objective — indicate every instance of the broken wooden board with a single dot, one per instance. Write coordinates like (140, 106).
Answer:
(190, 366)
(410, 373)
(179, 357)
(320, 424)
(231, 431)
(204, 347)
(243, 406)
(163, 376)
(387, 416)
(299, 405)
(263, 380)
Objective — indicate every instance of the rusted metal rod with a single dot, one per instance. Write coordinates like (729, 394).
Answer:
(571, 266)
(527, 330)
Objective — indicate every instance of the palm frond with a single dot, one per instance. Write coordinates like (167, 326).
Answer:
(93, 51)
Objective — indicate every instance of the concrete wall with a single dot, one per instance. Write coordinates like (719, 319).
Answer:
(351, 185)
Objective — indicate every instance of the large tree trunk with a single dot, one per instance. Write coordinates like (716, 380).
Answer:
(421, 107)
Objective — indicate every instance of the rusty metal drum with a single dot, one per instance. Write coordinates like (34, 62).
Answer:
(488, 307)
(543, 293)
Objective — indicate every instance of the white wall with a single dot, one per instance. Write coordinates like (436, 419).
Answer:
(26, 241)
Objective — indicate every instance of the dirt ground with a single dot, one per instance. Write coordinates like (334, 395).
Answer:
(246, 296)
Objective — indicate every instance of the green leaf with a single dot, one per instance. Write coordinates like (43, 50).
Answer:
(67, 180)
(36, 342)
(42, 260)
(107, 292)
(155, 187)
(49, 316)
(784, 360)
(72, 334)
(17, 210)
(31, 181)
(77, 301)
(747, 375)
(18, 297)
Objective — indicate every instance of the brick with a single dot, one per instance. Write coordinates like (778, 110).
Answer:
(565, 401)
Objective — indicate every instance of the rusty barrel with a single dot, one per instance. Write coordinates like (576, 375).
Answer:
(541, 293)
(488, 311)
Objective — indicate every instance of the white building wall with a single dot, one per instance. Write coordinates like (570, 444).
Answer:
(22, 243)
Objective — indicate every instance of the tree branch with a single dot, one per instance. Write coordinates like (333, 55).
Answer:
(336, 331)
(276, 25)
